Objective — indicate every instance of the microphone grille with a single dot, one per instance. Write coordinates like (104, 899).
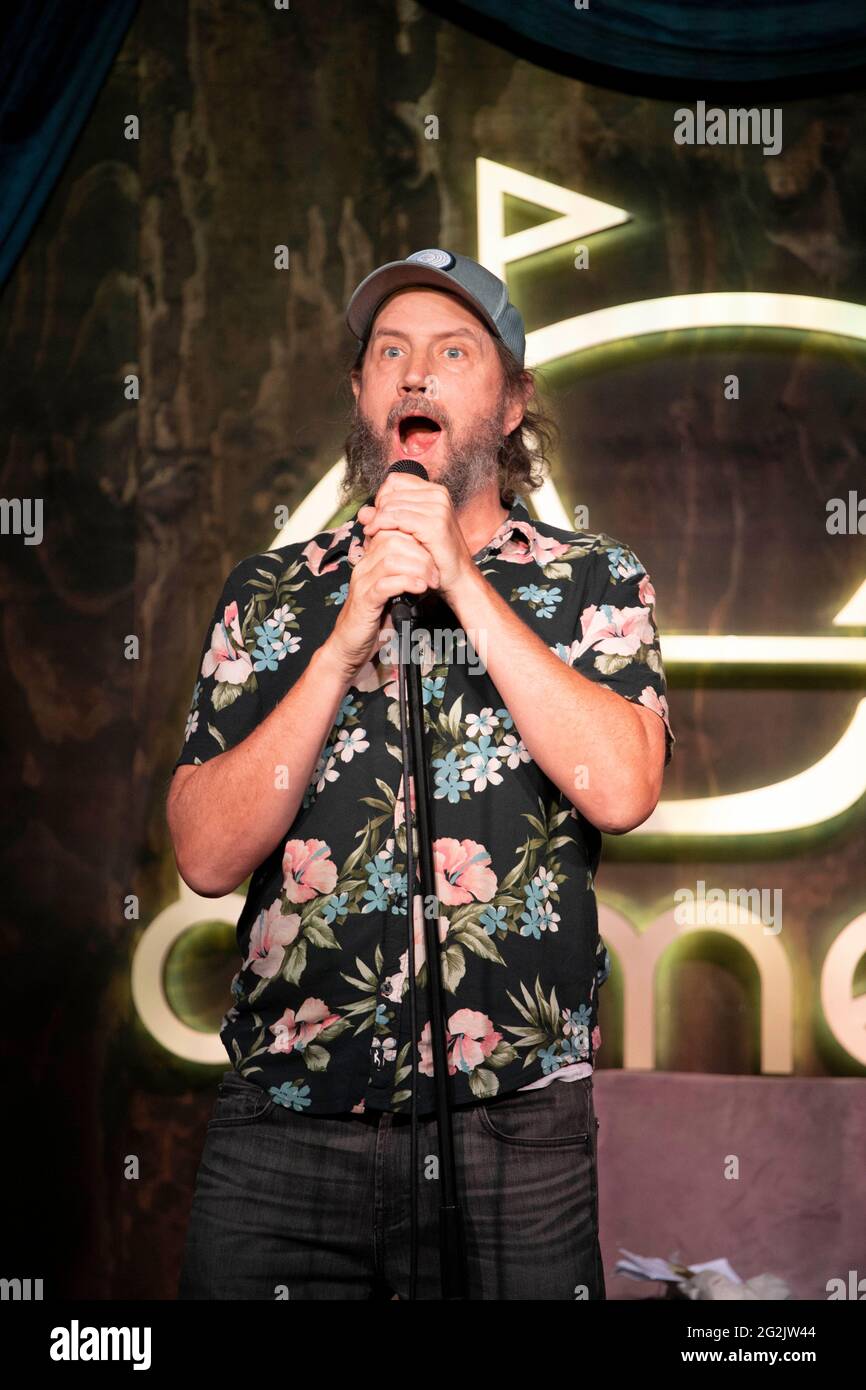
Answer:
(409, 466)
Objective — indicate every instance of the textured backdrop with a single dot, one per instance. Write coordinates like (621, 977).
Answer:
(155, 257)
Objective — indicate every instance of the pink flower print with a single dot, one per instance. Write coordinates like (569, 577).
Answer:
(543, 549)
(571, 1022)
(474, 1039)
(272, 932)
(526, 543)
(657, 703)
(314, 553)
(356, 550)
(400, 804)
(296, 1029)
(462, 875)
(596, 1038)
(425, 1053)
(470, 1039)
(395, 982)
(398, 980)
(227, 658)
(516, 548)
(615, 631)
(427, 661)
(307, 870)
(567, 651)
(645, 591)
(367, 677)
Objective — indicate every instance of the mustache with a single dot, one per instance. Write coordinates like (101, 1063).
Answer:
(420, 406)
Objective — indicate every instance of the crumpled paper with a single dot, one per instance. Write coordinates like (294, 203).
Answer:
(709, 1284)
(710, 1280)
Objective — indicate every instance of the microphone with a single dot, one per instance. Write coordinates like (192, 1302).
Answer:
(419, 471)
(403, 466)
(410, 466)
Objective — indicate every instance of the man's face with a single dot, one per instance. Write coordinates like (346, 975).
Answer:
(432, 389)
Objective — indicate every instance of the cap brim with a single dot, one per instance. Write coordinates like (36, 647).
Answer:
(398, 275)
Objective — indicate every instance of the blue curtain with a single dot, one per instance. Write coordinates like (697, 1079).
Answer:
(54, 58)
(695, 41)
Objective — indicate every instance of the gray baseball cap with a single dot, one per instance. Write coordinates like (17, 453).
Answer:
(441, 270)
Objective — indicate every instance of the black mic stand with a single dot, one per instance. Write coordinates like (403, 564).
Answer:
(405, 612)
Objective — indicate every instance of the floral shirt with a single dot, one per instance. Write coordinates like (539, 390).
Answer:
(320, 1015)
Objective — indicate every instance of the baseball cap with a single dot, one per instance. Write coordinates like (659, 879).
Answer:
(441, 270)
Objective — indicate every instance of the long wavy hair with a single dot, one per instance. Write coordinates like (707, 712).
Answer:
(525, 454)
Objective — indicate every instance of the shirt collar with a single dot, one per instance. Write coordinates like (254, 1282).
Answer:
(349, 537)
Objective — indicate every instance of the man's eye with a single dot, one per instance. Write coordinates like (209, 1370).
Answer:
(390, 349)
(454, 349)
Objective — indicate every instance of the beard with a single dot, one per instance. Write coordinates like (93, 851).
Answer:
(471, 459)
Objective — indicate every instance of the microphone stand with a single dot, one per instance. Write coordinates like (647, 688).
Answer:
(405, 612)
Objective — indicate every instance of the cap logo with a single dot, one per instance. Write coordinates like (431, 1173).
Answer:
(439, 260)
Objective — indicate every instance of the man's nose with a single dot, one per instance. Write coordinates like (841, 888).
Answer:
(415, 375)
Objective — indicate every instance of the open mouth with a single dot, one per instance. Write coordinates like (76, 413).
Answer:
(418, 434)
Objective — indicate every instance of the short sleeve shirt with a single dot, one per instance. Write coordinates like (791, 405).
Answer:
(320, 1014)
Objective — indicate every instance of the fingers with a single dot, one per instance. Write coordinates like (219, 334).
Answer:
(399, 516)
(394, 563)
(398, 546)
(390, 585)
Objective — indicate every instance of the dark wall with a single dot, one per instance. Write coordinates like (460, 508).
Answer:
(154, 257)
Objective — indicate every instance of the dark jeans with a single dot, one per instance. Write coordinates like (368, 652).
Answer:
(318, 1206)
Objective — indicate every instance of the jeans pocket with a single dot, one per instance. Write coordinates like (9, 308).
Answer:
(239, 1102)
(555, 1116)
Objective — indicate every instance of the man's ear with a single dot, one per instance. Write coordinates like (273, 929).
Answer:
(518, 401)
(355, 378)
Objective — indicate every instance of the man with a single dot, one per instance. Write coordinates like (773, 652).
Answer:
(546, 722)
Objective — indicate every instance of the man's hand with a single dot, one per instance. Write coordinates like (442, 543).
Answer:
(423, 510)
(393, 563)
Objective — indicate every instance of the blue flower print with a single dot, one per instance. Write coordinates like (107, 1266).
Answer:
(383, 882)
(548, 606)
(335, 907)
(530, 593)
(623, 563)
(492, 918)
(543, 600)
(293, 1097)
(348, 709)
(448, 778)
(274, 642)
(575, 1019)
(432, 689)
(549, 1060)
